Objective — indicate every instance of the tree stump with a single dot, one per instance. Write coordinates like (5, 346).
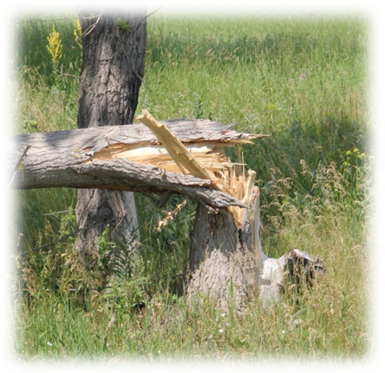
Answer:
(229, 268)
(223, 265)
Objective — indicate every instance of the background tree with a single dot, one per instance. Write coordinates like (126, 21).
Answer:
(112, 70)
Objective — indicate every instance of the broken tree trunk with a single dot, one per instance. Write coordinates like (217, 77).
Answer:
(227, 263)
(128, 158)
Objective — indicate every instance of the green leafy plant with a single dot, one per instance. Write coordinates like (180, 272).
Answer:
(123, 24)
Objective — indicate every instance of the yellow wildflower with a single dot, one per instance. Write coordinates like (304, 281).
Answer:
(55, 47)
(78, 33)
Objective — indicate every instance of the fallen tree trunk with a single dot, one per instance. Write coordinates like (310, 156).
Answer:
(127, 158)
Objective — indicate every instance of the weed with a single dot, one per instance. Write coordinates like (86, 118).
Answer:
(55, 47)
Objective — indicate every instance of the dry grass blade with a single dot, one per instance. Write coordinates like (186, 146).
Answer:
(170, 216)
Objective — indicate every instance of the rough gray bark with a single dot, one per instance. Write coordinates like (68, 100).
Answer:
(112, 70)
(112, 66)
(225, 264)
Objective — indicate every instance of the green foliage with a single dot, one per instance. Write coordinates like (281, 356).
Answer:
(302, 81)
(106, 249)
(123, 24)
(123, 295)
(30, 125)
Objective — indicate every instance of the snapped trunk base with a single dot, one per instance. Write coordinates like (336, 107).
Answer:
(228, 266)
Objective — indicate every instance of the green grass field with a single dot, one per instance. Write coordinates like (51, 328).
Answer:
(301, 80)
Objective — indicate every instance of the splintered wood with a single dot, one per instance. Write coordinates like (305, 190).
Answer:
(207, 161)
(194, 154)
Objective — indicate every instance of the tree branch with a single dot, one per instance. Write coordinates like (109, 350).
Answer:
(152, 13)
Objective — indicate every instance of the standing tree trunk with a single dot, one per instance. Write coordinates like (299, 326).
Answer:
(112, 70)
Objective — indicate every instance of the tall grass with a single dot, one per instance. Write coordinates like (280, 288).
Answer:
(303, 81)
